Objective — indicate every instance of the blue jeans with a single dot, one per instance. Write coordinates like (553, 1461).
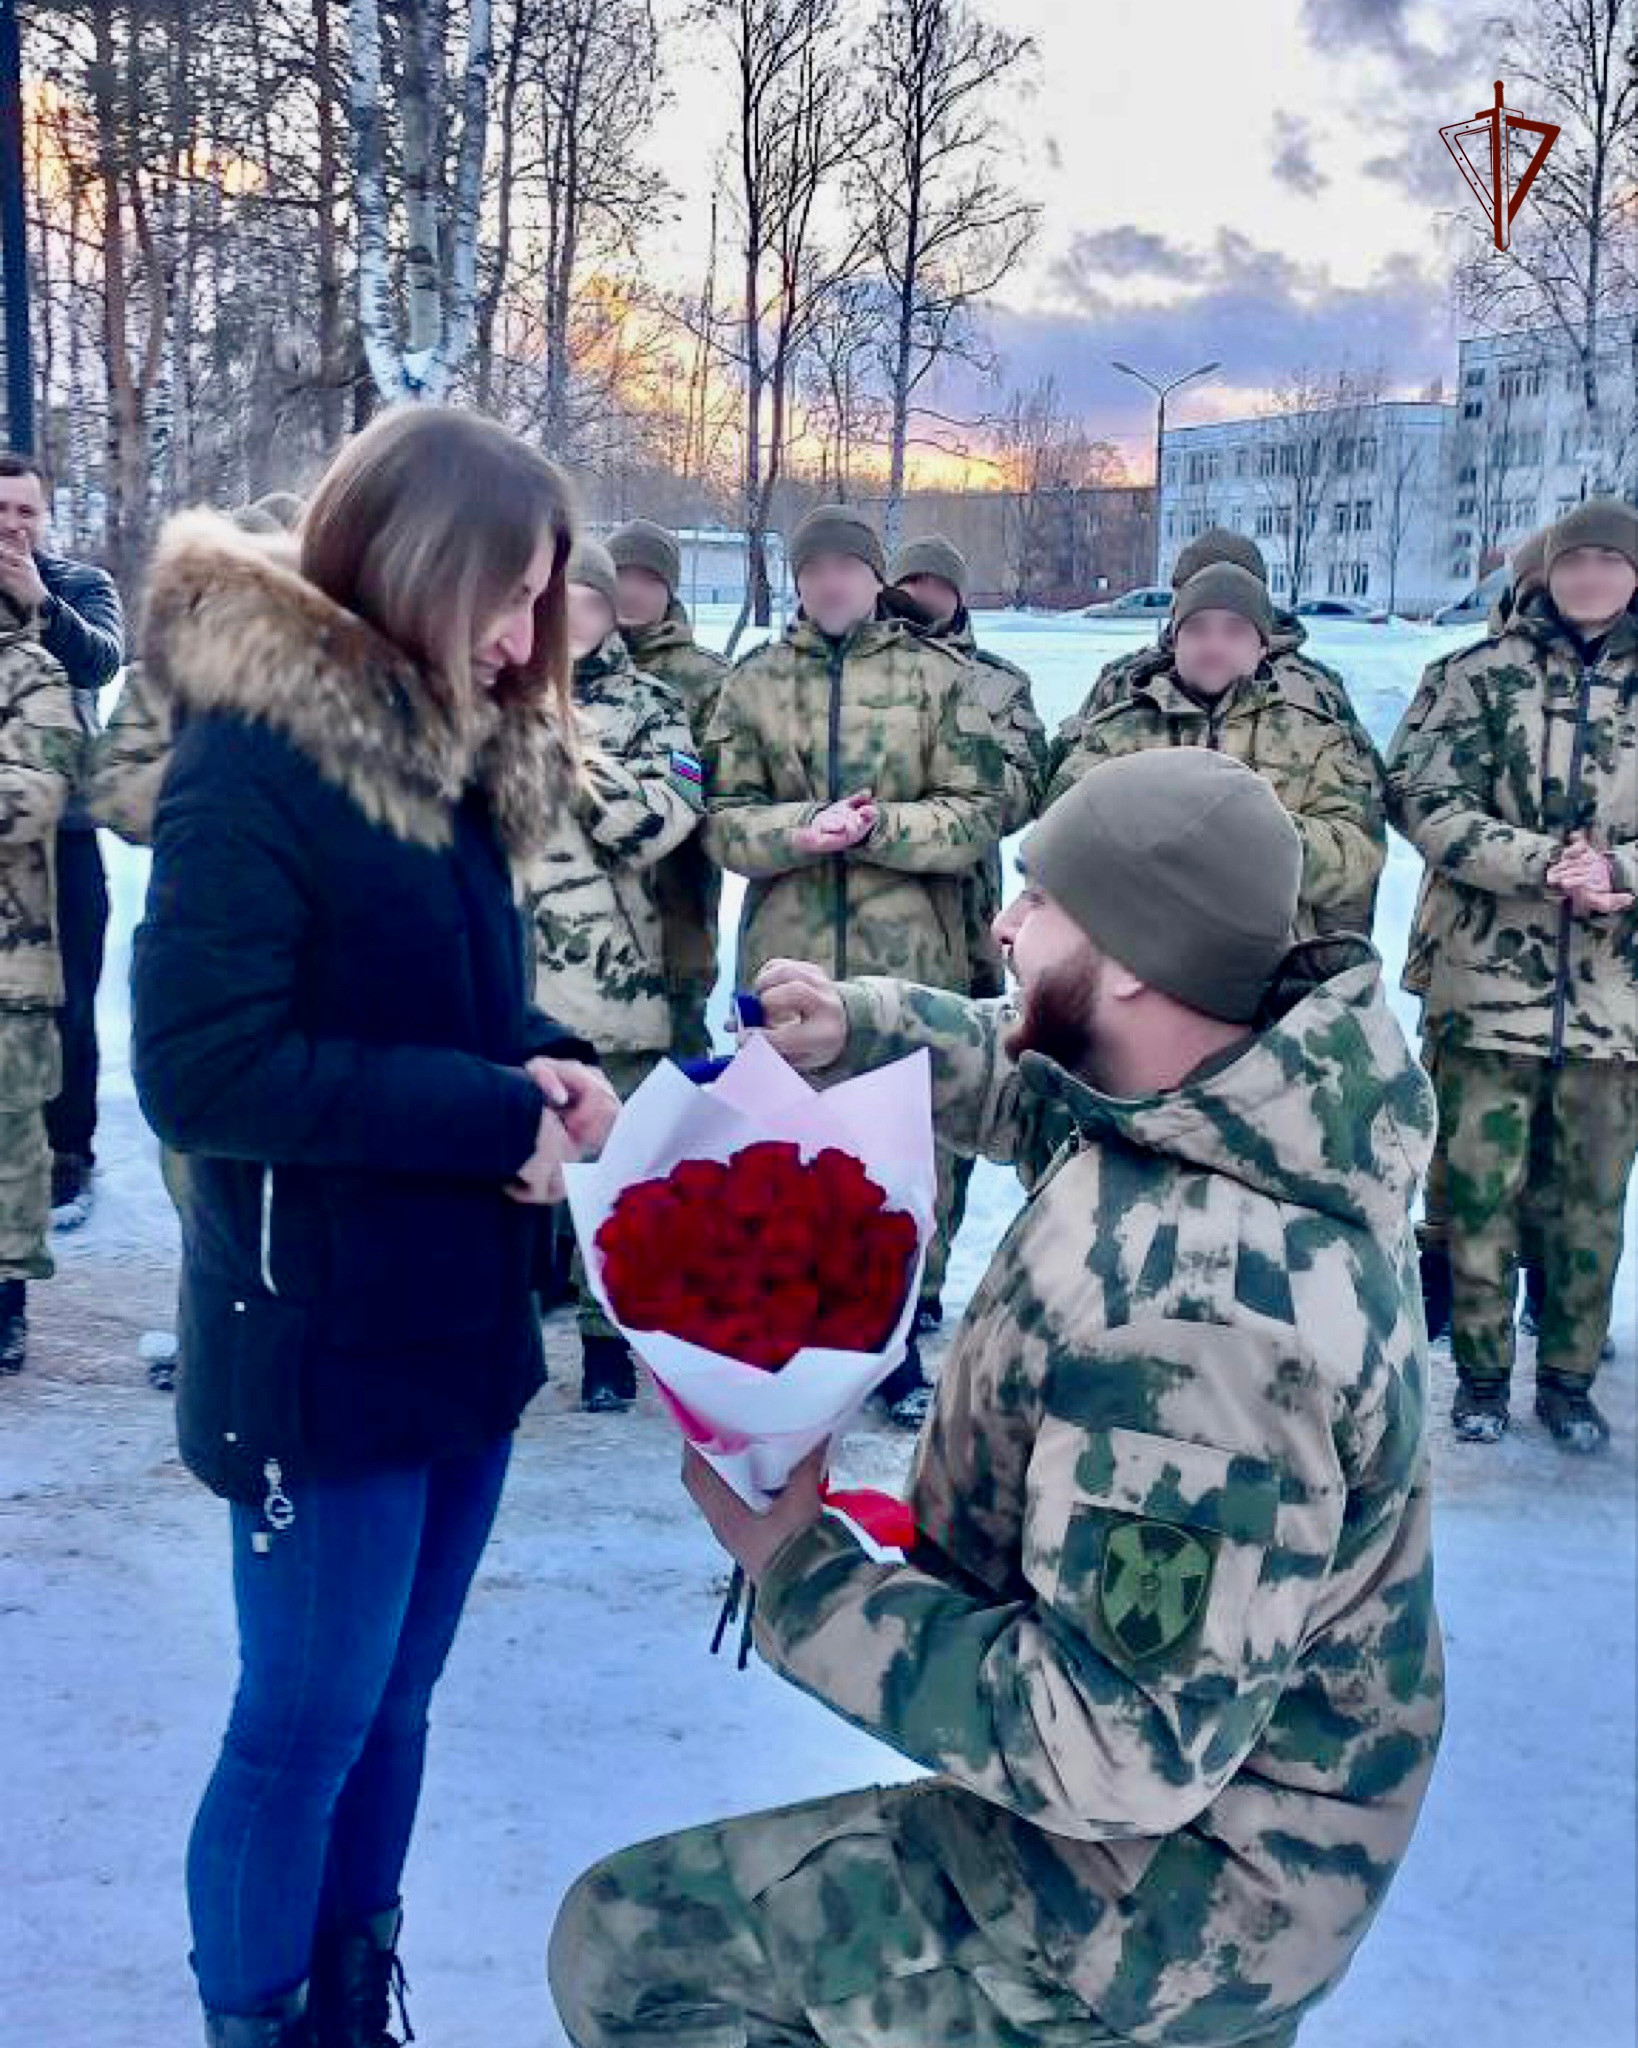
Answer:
(344, 1627)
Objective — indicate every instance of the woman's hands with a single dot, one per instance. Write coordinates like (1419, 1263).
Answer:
(580, 1109)
(1585, 877)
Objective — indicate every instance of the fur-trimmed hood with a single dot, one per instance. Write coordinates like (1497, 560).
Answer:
(232, 625)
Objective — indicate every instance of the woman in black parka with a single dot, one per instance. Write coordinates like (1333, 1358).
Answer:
(331, 1021)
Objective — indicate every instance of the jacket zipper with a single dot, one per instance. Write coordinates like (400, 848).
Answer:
(1573, 809)
(833, 783)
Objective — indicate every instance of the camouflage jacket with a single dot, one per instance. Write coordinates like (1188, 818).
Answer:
(1006, 694)
(806, 720)
(1331, 787)
(1479, 783)
(688, 886)
(589, 896)
(1171, 1617)
(670, 651)
(41, 750)
(129, 757)
(1304, 680)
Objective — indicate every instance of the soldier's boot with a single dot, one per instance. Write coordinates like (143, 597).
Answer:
(1535, 1295)
(608, 1376)
(1479, 1414)
(1565, 1405)
(282, 2026)
(1434, 1262)
(357, 1977)
(13, 1325)
(905, 1393)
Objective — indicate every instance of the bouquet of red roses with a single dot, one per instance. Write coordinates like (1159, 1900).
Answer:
(761, 1255)
(759, 1244)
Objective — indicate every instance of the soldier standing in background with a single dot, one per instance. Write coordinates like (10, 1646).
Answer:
(41, 742)
(1168, 1632)
(855, 780)
(1303, 679)
(589, 896)
(1433, 1233)
(933, 571)
(1220, 689)
(82, 626)
(687, 883)
(1520, 786)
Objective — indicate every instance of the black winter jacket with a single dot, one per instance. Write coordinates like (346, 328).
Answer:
(331, 1021)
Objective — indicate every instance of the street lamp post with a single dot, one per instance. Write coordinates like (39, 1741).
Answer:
(1162, 392)
(14, 236)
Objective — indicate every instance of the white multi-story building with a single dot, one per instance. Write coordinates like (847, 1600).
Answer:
(1347, 501)
(1526, 448)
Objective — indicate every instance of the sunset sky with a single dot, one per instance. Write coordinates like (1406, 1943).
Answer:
(1261, 182)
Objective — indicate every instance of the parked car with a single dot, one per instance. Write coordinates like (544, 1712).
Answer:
(1149, 601)
(1474, 608)
(1343, 611)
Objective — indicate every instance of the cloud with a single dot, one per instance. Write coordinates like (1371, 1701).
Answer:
(1260, 313)
(1128, 252)
(1294, 164)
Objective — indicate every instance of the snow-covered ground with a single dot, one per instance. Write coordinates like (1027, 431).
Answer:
(581, 1710)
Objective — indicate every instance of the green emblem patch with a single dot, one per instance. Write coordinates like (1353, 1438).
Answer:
(1153, 1585)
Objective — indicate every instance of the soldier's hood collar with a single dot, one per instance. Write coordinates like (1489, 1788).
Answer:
(611, 658)
(1536, 618)
(233, 626)
(674, 630)
(1325, 1107)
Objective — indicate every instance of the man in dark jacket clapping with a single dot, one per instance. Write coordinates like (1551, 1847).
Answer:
(81, 623)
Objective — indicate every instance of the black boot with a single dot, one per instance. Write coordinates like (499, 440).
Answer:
(1566, 1406)
(608, 1376)
(356, 1977)
(13, 1325)
(905, 1393)
(72, 1193)
(1434, 1261)
(1479, 1413)
(285, 2026)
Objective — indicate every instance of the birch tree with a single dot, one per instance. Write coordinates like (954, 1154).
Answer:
(419, 357)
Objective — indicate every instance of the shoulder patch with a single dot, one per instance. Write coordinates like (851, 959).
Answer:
(1153, 1585)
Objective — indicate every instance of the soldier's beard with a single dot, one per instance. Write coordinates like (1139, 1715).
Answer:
(1060, 1017)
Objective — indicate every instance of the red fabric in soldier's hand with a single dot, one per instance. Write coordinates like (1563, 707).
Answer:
(761, 1257)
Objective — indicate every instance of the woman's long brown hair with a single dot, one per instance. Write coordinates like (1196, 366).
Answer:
(424, 525)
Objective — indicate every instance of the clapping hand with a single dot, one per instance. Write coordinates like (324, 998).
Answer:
(1585, 877)
(20, 575)
(839, 826)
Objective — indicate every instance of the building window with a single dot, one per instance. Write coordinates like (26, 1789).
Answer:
(1276, 580)
(1345, 456)
(1466, 507)
(1242, 457)
(1474, 409)
(1336, 580)
(1267, 461)
(1362, 579)
(1362, 516)
(1366, 459)
(1467, 475)
(1474, 379)
(1265, 521)
(1169, 470)
(1340, 517)
(1566, 506)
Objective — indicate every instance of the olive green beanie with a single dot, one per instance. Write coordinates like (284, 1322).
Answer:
(836, 530)
(591, 564)
(1218, 544)
(1225, 587)
(641, 544)
(931, 556)
(1599, 523)
(1183, 865)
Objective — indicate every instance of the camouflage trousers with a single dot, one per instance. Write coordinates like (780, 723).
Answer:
(30, 1077)
(949, 1209)
(1497, 1112)
(1434, 1227)
(828, 1923)
(625, 1073)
